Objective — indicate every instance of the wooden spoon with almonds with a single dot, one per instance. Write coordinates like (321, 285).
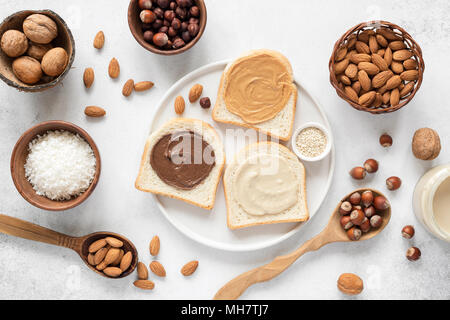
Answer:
(26, 230)
(333, 232)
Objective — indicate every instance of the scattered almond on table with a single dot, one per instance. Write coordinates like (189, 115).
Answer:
(143, 86)
(158, 269)
(88, 77)
(142, 271)
(94, 111)
(195, 92)
(154, 246)
(99, 40)
(179, 105)
(189, 268)
(128, 88)
(114, 69)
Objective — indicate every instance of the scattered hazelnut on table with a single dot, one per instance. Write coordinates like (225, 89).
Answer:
(358, 173)
(205, 103)
(386, 140)
(413, 254)
(408, 232)
(371, 165)
(393, 183)
(14, 43)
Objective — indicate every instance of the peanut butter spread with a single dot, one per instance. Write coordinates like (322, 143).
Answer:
(183, 159)
(265, 184)
(257, 88)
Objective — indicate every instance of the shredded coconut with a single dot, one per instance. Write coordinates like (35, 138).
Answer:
(60, 165)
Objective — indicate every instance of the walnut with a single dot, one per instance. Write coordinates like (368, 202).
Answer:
(55, 61)
(426, 144)
(40, 28)
(27, 69)
(14, 43)
(37, 51)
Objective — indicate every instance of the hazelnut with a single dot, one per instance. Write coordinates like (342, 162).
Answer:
(369, 211)
(367, 198)
(357, 217)
(345, 208)
(40, 29)
(381, 203)
(54, 62)
(147, 16)
(193, 29)
(346, 223)
(205, 103)
(160, 39)
(371, 165)
(350, 284)
(413, 254)
(358, 173)
(176, 23)
(355, 198)
(145, 4)
(180, 12)
(163, 3)
(354, 233)
(426, 144)
(14, 43)
(159, 12)
(38, 51)
(27, 69)
(393, 183)
(185, 35)
(157, 24)
(386, 140)
(169, 15)
(195, 11)
(148, 36)
(376, 221)
(178, 43)
(172, 33)
(408, 232)
(365, 225)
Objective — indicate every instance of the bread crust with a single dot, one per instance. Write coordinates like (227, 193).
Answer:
(147, 147)
(227, 200)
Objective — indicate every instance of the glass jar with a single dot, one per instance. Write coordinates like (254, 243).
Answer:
(426, 204)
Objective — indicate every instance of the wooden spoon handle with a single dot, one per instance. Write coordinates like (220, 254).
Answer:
(26, 230)
(236, 287)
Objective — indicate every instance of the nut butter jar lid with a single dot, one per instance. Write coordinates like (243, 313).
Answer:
(311, 142)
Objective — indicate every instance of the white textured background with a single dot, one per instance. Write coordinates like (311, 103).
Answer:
(305, 31)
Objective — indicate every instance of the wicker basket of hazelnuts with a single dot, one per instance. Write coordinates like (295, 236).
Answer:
(376, 67)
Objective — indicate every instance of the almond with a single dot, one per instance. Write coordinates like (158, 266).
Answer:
(154, 246)
(126, 261)
(351, 41)
(368, 67)
(397, 45)
(144, 284)
(379, 62)
(364, 36)
(373, 44)
(112, 272)
(101, 266)
(340, 66)
(393, 82)
(114, 68)
(90, 259)
(111, 255)
(195, 92)
(402, 55)
(380, 79)
(189, 268)
(410, 75)
(351, 94)
(350, 54)
(88, 77)
(407, 89)
(351, 71)
(381, 52)
(356, 86)
(388, 34)
(100, 255)
(381, 40)
(363, 78)
(397, 67)
(386, 97)
(97, 245)
(378, 100)
(350, 284)
(410, 64)
(128, 88)
(119, 258)
(388, 56)
(344, 79)
(395, 97)
(367, 99)
(158, 269)
(360, 57)
(143, 86)
(99, 40)
(114, 242)
(94, 111)
(142, 271)
(179, 105)
(340, 53)
(361, 47)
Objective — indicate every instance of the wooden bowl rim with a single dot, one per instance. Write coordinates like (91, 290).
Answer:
(54, 82)
(69, 127)
(360, 27)
(152, 48)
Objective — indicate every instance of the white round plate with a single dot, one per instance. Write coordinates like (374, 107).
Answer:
(210, 227)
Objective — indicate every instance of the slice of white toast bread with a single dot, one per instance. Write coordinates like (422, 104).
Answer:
(281, 125)
(237, 217)
(202, 195)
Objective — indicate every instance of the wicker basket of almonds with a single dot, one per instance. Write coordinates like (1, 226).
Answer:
(376, 67)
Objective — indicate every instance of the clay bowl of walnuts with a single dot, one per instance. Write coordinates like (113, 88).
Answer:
(167, 27)
(376, 67)
(37, 50)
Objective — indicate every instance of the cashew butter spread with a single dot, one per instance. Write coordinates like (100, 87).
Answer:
(257, 88)
(183, 159)
(265, 184)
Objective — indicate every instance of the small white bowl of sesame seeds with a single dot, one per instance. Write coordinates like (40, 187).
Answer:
(311, 142)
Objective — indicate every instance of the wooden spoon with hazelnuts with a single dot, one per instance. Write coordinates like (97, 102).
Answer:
(335, 231)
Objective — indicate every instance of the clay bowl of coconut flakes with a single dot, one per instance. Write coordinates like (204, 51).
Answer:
(55, 165)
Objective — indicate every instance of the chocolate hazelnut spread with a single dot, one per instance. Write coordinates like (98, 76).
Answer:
(183, 159)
